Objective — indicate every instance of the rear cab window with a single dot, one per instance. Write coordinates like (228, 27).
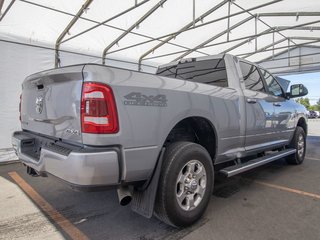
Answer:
(212, 72)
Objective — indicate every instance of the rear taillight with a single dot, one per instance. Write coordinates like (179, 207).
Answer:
(20, 107)
(98, 109)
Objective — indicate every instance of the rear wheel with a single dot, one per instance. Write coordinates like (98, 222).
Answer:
(185, 185)
(299, 143)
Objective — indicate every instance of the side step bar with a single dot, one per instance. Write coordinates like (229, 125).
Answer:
(239, 168)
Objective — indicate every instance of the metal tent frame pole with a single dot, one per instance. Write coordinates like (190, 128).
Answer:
(73, 52)
(7, 9)
(316, 69)
(187, 26)
(66, 30)
(269, 59)
(238, 39)
(106, 21)
(311, 28)
(266, 47)
(268, 30)
(196, 26)
(201, 45)
(275, 57)
(295, 65)
(290, 14)
(106, 25)
(133, 26)
(278, 48)
(228, 19)
(1, 5)
(151, 38)
(243, 42)
(258, 19)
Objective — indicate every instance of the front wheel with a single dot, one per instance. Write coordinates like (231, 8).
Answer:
(299, 143)
(185, 184)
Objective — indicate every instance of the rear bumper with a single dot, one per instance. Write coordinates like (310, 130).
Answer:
(79, 166)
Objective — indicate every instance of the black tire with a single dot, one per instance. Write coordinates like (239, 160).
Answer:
(297, 158)
(176, 157)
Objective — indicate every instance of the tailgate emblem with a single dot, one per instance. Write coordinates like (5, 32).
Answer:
(39, 104)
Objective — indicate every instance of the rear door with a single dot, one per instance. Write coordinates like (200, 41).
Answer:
(284, 123)
(51, 103)
(259, 109)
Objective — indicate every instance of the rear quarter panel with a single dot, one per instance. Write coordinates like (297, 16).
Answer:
(144, 125)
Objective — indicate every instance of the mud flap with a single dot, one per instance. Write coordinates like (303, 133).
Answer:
(143, 200)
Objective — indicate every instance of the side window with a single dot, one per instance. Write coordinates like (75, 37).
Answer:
(272, 84)
(251, 77)
(212, 71)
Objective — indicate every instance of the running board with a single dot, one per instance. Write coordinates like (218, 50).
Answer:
(239, 168)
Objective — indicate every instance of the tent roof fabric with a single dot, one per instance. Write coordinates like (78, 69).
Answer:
(154, 32)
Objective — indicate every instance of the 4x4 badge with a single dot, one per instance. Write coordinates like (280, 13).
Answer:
(139, 99)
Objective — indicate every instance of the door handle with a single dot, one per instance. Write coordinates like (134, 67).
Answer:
(251, 100)
(277, 104)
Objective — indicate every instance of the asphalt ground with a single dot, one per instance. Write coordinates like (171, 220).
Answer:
(276, 201)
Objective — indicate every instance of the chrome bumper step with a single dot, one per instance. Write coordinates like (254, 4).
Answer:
(243, 167)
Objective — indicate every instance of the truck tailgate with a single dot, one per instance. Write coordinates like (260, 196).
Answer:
(51, 103)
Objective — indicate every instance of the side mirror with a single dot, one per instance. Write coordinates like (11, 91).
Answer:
(297, 90)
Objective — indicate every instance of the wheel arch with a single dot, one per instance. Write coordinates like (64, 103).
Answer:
(303, 123)
(196, 129)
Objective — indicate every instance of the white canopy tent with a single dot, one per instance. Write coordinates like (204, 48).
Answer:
(142, 34)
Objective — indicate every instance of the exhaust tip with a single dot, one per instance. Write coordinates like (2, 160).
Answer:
(125, 200)
(124, 195)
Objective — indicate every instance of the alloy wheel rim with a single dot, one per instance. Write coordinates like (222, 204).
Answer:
(301, 145)
(191, 185)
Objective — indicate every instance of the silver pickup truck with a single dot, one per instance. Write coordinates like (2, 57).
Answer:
(158, 138)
